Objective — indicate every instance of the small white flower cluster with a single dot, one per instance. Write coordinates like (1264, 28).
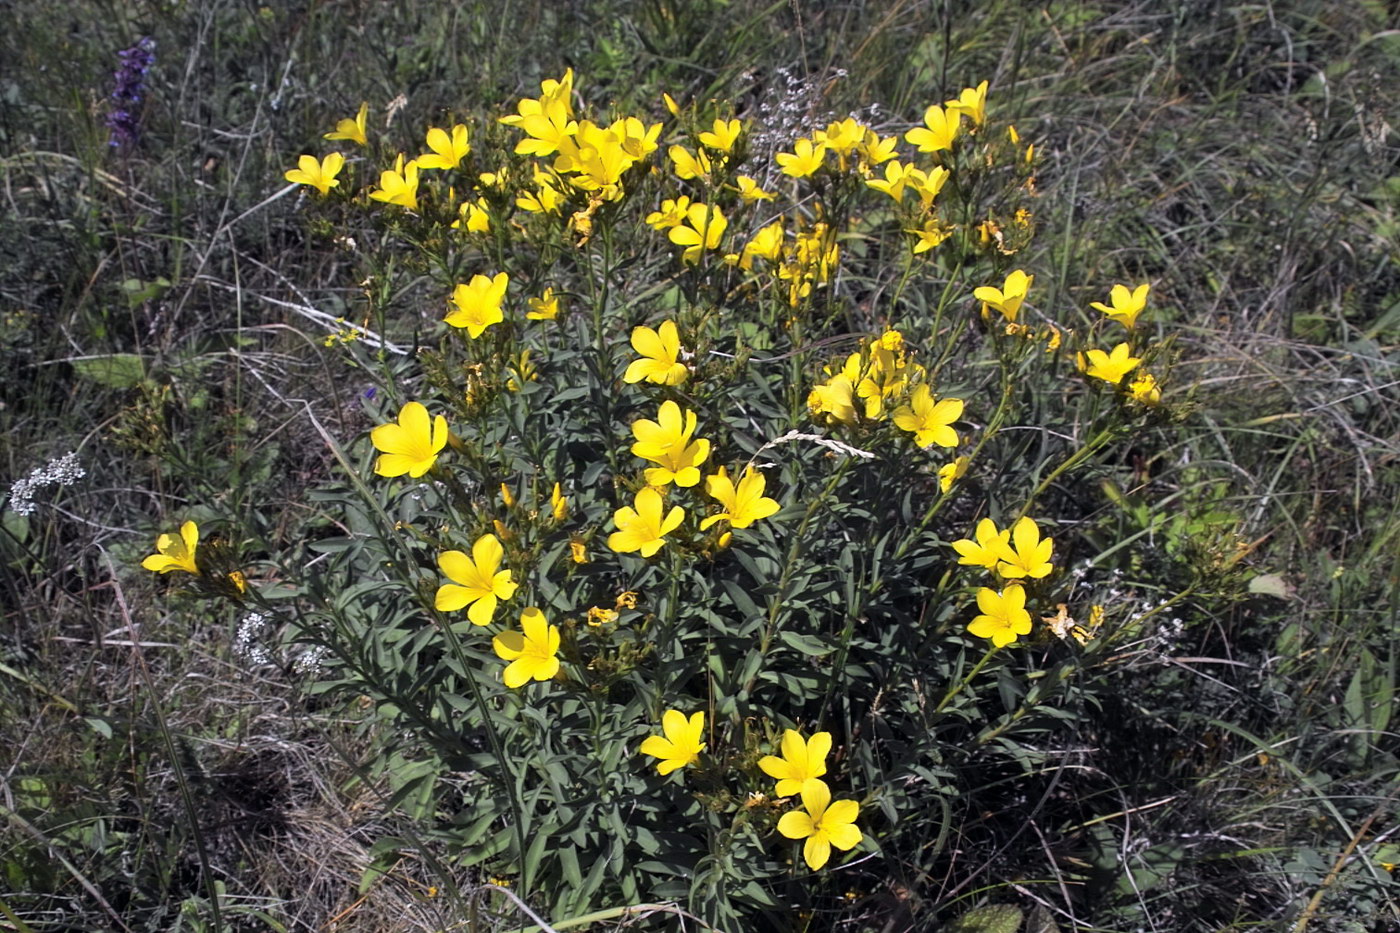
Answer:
(787, 111)
(63, 471)
(311, 660)
(246, 644)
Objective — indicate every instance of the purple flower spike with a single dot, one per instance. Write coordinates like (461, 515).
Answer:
(128, 86)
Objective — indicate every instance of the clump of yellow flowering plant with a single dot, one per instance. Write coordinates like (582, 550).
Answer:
(790, 401)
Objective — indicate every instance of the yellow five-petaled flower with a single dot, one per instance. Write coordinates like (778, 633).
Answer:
(353, 130)
(972, 103)
(1026, 555)
(825, 824)
(1008, 298)
(929, 421)
(801, 761)
(448, 150)
(1125, 305)
(477, 581)
(643, 528)
(531, 651)
(411, 446)
(804, 160)
(545, 307)
(478, 303)
(667, 443)
(743, 503)
(938, 132)
(1111, 366)
(399, 185)
(175, 552)
(723, 135)
(1003, 617)
(680, 745)
(703, 229)
(319, 175)
(988, 548)
(660, 352)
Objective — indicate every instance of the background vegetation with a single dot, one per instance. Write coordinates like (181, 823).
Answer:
(164, 313)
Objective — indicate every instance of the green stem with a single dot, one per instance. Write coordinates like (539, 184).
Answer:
(1072, 461)
(958, 688)
(776, 601)
(458, 652)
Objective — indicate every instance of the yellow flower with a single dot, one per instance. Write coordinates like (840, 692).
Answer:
(804, 160)
(825, 824)
(399, 185)
(929, 420)
(531, 651)
(1110, 367)
(448, 151)
(319, 175)
(578, 551)
(558, 505)
(478, 303)
(767, 243)
(1003, 617)
(474, 218)
(1126, 305)
(643, 528)
(896, 177)
(1008, 298)
(988, 550)
(671, 214)
(750, 192)
(599, 159)
(841, 137)
(507, 497)
(689, 165)
(545, 199)
(802, 761)
(1145, 389)
(412, 445)
(836, 397)
(681, 744)
(638, 139)
(743, 504)
(667, 443)
(929, 235)
(723, 136)
(546, 121)
(706, 227)
(353, 130)
(175, 552)
(937, 133)
(659, 350)
(1026, 555)
(627, 599)
(875, 149)
(477, 581)
(673, 108)
(927, 185)
(545, 307)
(950, 473)
(972, 102)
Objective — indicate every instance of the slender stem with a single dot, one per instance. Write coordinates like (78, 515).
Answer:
(958, 688)
(776, 601)
(455, 644)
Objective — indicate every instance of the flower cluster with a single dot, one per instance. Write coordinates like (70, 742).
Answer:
(62, 471)
(1014, 553)
(881, 381)
(129, 88)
